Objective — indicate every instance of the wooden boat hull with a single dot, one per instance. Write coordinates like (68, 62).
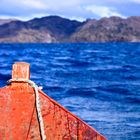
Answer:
(18, 115)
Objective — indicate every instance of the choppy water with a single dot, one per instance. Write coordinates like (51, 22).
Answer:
(98, 82)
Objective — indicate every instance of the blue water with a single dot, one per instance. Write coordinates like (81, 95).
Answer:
(98, 82)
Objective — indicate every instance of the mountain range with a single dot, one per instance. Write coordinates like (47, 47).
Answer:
(54, 29)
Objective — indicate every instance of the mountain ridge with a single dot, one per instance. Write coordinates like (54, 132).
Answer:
(4, 21)
(53, 29)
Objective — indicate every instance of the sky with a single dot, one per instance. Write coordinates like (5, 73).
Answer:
(72, 9)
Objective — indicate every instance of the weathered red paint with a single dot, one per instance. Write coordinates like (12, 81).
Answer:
(18, 118)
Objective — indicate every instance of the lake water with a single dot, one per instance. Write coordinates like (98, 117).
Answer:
(98, 82)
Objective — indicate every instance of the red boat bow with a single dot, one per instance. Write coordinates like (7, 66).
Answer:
(19, 115)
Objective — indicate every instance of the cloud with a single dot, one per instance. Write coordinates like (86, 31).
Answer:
(103, 11)
(81, 9)
(36, 4)
(135, 1)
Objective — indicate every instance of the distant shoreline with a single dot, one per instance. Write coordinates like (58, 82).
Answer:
(66, 43)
